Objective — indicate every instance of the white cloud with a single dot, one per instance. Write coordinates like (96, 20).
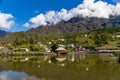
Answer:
(117, 9)
(51, 17)
(26, 24)
(88, 8)
(6, 20)
(36, 21)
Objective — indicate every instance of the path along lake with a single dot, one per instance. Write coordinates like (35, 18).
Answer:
(92, 67)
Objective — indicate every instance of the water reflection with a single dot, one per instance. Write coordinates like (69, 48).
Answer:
(10, 75)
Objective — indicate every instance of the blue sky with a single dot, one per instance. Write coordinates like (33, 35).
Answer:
(24, 10)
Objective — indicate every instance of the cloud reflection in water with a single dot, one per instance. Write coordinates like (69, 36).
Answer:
(10, 75)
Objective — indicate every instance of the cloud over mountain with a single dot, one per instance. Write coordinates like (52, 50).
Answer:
(88, 8)
(6, 20)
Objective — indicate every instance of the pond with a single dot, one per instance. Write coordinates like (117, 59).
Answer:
(90, 68)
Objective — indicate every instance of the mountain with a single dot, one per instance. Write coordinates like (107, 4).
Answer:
(3, 33)
(52, 32)
(79, 24)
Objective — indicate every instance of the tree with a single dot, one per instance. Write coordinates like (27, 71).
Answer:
(54, 47)
(104, 38)
(35, 48)
(100, 38)
(90, 44)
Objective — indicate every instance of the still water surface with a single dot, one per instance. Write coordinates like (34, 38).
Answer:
(38, 69)
(11, 75)
(46, 71)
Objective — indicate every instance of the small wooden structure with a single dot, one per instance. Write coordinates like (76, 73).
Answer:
(61, 54)
(61, 50)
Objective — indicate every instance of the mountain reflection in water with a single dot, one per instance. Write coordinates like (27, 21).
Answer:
(10, 75)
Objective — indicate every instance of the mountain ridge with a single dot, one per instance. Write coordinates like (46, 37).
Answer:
(79, 24)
